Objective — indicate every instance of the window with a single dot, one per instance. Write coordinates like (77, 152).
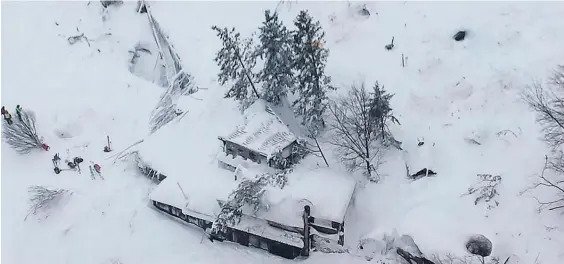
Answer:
(253, 156)
(325, 230)
(322, 222)
(264, 244)
(254, 241)
(162, 206)
(335, 225)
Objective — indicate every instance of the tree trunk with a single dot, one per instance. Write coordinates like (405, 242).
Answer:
(247, 74)
(321, 151)
(368, 169)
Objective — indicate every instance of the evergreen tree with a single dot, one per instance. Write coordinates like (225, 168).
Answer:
(309, 62)
(380, 110)
(276, 51)
(248, 193)
(236, 60)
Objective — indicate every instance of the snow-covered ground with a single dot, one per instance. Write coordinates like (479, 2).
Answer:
(447, 92)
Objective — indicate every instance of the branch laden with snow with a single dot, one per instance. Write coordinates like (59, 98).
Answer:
(21, 135)
(248, 193)
(43, 199)
(166, 109)
(236, 60)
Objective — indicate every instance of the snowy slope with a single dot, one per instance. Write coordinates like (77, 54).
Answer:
(448, 91)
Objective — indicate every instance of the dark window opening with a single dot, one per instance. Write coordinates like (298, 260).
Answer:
(325, 230)
(252, 156)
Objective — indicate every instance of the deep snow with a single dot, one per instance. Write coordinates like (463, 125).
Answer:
(448, 91)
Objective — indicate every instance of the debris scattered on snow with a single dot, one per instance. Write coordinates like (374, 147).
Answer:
(486, 190)
(460, 35)
(472, 141)
(422, 173)
(391, 45)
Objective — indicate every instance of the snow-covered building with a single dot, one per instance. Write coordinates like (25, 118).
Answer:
(194, 185)
(280, 229)
(261, 137)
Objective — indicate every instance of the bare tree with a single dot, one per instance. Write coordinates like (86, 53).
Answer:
(22, 134)
(42, 199)
(548, 103)
(359, 125)
(549, 106)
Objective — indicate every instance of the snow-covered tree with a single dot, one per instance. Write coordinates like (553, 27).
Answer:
(43, 199)
(358, 119)
(275, 49)
(236, 59)
(309, 62)
(165, 112)
(166, 109)
(380, 110)
(21, 135)
(248, 193)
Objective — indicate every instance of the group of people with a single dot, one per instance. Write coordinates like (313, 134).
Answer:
(74, 164)
(8, 117)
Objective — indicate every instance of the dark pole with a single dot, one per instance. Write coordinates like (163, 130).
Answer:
(306, 230)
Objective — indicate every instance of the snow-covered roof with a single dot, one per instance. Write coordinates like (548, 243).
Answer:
(304, 187)
(262, 131)
(326, 192)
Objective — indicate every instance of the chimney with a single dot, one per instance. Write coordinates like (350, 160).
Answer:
(306, 231)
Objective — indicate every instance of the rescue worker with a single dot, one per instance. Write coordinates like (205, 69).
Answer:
(97, 168)
(19, 112)
(7, 117)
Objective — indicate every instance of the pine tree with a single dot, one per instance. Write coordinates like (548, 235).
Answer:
(309, 61)
(276, 51)
(380, 110)
(236, 59)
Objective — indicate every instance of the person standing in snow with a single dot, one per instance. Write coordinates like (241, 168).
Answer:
(7, 117)
(19, 112)
(3, 110)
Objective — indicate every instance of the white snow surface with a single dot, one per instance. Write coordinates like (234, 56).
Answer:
(448, 91)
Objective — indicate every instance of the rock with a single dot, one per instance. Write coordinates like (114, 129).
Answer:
(460, 35)
(479, 245)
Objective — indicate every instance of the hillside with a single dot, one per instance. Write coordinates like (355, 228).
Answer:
(447, 92)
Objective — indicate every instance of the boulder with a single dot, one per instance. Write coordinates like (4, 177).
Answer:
(460, 35)
(479, 245)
